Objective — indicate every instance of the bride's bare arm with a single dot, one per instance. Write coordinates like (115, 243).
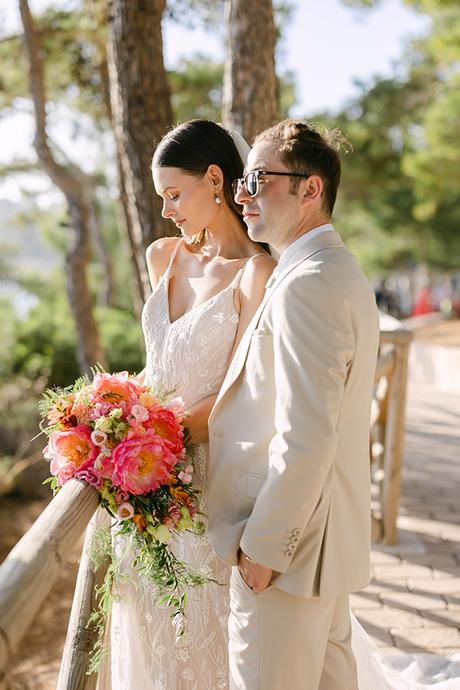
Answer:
(251, 291)
(157, 257)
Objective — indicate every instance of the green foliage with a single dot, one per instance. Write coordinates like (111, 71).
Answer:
(121, 338)
(73, 43)
(196, 87)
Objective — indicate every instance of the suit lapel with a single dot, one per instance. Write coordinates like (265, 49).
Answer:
(324, 241)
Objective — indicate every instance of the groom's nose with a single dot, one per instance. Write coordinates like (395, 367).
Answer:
(242, 195)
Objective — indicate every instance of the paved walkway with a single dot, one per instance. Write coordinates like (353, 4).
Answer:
(413, 601)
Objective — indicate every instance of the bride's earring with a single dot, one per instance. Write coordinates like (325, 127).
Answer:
(217, 198)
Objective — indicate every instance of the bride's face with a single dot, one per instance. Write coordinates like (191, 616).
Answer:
(188, 200)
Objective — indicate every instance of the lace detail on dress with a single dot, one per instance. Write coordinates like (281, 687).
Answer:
(188, 357)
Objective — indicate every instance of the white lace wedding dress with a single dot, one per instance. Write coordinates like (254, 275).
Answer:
(190, 356)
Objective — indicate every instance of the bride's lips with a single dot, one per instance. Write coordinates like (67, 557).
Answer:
(179, 222)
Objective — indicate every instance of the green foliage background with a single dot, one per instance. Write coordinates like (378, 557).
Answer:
(398, 205)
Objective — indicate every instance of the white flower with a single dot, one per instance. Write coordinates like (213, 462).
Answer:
(125, 511)
(98, 437)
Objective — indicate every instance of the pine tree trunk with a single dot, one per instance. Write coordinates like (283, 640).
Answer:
(141, 109)
(136, 257)
(250, 90)
(72, 185)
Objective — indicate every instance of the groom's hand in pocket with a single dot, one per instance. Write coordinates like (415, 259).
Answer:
(256, 576)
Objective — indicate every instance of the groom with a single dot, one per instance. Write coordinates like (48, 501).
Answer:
(289, 433)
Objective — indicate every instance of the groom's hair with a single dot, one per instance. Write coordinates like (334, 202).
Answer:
(303, 148)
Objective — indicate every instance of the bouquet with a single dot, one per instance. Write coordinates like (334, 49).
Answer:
(115, 434)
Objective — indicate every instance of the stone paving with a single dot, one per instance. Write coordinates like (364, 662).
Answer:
(413, 601)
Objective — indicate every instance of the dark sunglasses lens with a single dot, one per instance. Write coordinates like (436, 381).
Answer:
(236, 186)
(251, 184)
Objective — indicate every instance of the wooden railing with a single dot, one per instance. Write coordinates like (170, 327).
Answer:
(28, 573)
(387, 431)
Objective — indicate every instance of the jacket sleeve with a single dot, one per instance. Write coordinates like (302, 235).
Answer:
(313, 348)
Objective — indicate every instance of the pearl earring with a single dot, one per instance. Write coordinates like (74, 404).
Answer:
(217, 199)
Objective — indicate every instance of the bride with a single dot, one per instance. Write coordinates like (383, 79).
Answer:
(206, 285)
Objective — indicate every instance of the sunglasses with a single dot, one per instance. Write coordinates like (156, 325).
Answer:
(251, 180)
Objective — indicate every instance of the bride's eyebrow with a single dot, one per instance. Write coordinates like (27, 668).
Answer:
(165, 190)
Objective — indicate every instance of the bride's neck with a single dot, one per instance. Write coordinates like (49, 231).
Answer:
(225, 237)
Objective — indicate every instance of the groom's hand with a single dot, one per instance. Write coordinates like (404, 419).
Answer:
(256, 576)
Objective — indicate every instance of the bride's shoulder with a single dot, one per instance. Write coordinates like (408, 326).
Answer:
(259, 267)
(256, 272)
(158, 256)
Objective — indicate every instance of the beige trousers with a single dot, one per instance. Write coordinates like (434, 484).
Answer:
(278, 641)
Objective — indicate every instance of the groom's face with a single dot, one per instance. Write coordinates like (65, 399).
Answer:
(273, 215)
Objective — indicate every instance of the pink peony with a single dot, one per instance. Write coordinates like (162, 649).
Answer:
(142, 464)
(70, 451)
(166, 425)
(110, 391)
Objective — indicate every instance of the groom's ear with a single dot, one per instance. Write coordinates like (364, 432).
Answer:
(310, 189)
(216, 177)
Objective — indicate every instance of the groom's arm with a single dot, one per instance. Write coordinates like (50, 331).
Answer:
(313, 343)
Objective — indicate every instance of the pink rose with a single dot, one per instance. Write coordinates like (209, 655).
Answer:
(90, 476)
(70, 451)
(142, 464)
(121, 497)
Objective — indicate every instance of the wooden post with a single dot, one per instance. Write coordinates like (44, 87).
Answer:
(29, 571)
(394, 435)
(80, 639)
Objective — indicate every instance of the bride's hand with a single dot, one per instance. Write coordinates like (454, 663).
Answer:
(196, 420)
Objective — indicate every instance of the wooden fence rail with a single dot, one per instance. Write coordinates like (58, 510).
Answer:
(28, 573)
(387, 430)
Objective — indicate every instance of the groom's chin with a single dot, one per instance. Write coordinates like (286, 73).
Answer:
(255, 232)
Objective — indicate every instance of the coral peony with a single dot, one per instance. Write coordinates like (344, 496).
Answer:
(166, 425)
(70, 451)
(113, 391)
(142, 464)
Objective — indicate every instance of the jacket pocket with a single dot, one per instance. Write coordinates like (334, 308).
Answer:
(254, 483)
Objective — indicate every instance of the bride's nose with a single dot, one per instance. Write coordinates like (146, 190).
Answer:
(167, 211)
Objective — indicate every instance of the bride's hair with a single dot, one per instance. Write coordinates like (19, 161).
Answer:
(195, 145)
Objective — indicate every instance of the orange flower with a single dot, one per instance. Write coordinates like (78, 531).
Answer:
(179, 494)
(140, 522)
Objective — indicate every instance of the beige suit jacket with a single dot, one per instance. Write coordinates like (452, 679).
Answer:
(289, 432)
